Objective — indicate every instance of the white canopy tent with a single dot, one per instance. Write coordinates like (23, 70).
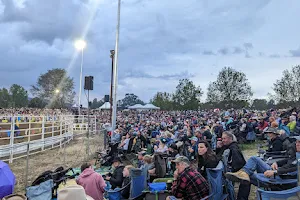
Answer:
(105, 106)
(136, 106)
(145, 107)
(150, 106)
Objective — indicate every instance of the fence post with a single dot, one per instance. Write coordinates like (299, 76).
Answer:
(27, 166)
(95, 126)
(52, 129)
(60, 127)
(29, 130)
(12, 137)
(43, 133)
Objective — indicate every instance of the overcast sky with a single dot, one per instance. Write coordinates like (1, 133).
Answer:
(161, 41)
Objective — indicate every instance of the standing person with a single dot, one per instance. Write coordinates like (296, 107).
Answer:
(92, 182)
(116, 179)
(188, 183)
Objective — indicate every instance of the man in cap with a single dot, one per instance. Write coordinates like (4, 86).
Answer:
(275, 141)
(116, 179)
(257, 164)
(188, 183)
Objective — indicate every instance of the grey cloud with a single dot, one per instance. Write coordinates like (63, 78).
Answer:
(274, 56)
(223, 51)
(248, 45)
(295, 53)
(238, 50)
(208, 52)
(261, 54)
(141, 74)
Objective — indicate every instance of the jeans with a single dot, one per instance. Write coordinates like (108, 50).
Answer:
(256, 164)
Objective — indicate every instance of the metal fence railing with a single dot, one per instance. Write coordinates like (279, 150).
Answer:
(41, 143)
(41, 132)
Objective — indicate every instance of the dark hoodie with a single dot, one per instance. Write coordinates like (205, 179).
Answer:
(275, 145)
(116, 179)
(236, 160)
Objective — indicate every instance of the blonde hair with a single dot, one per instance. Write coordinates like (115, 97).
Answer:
(147, 159)
(129, 167)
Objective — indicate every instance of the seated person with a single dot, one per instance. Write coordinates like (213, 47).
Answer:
(141, 155)
(193, 149)
(124, 143)
(126, 182)
(258, 165)
(149, 166)
(162, 147)
(92, 182)
(116, 179)
(206, 159)
(116, 136)
(275, 141)
(188, 183)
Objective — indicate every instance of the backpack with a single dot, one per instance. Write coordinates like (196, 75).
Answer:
(160, 165)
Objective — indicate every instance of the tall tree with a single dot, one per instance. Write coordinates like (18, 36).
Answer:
(260, 104)
(187, 95)
(4, 98)
(36, 103)
(19, 96)
(55, 87)
(129, 100)
(287, 89)
(96, 104)
(163, 100)
(231, 86)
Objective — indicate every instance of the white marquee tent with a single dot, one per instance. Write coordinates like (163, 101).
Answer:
(105, 106)
(145, 107)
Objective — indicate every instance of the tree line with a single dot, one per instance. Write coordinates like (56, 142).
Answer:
(231, 89)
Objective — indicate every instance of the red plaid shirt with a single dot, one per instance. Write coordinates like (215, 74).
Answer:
(190, 185)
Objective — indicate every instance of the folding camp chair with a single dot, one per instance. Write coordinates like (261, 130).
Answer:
(291, 194)
(215, 178)
(137, 185)
(275, 183)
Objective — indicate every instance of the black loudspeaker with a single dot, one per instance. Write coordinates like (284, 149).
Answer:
(88, 83)
(106, 98)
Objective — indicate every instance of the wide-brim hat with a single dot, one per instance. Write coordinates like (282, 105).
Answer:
(272, 130)
(74, 192)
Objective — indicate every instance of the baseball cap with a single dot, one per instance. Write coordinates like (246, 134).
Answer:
(180, 159)
(194, 139)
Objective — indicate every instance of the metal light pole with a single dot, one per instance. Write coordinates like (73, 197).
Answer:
(115, 70)
(112, 56)
(80, 45)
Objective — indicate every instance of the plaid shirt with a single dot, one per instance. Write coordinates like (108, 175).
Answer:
(190, 185)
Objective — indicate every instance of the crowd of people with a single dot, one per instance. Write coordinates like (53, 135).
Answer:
(194, 141)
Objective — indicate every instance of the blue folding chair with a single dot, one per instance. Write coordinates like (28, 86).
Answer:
(137, 186)
(275, 183)
(293, 193)
(215, 178)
